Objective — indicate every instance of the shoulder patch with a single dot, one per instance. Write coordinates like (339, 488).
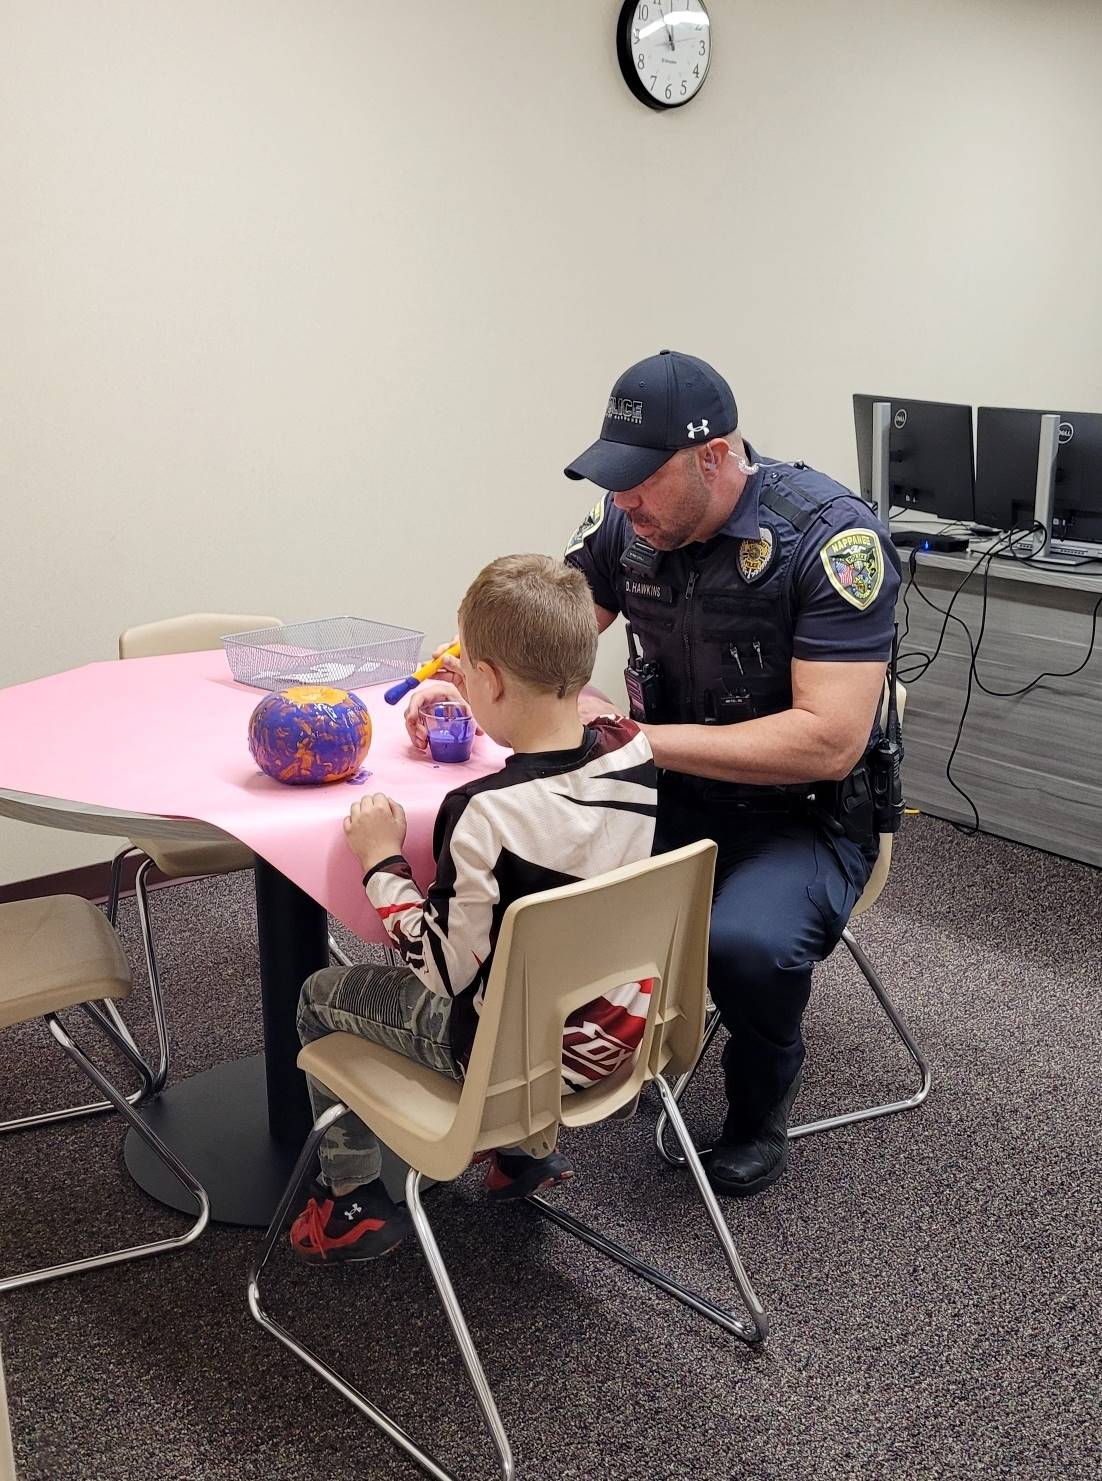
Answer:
(854, 563)
(589, 524)
(756, 557)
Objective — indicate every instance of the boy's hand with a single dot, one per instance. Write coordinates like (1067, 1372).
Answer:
(450, 670)
(375, 829)
(422, 698)
(431, 692)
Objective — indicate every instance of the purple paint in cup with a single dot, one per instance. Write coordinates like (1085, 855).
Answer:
(450, 729)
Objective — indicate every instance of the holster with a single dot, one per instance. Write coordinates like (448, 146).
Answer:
(848, 807)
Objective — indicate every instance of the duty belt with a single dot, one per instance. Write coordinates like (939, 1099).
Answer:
(739, 794)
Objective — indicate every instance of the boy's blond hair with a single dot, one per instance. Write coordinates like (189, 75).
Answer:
(533, 616)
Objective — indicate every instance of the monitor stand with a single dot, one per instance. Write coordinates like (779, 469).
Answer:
(1068, 553)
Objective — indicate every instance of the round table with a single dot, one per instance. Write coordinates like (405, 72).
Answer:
(154, 748)
(238, 1126)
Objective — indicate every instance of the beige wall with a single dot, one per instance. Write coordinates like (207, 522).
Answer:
(305, 304)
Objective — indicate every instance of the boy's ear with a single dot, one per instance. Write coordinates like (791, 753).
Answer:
(493, 679)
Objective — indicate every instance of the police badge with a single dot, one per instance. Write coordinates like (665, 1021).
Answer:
(854, 564)
(755, 557)
(591, 522)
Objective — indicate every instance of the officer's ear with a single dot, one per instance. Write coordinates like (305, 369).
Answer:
(713, 455)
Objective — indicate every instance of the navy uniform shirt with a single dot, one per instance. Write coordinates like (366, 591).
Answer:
(824, 604)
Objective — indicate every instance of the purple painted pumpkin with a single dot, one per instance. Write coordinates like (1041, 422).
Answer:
(310, 735)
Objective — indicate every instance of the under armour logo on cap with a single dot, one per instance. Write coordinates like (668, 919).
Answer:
(702, 428)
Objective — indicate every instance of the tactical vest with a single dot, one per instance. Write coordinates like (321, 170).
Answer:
(723, 635)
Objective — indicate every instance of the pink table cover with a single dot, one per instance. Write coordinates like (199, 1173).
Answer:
(167, 736)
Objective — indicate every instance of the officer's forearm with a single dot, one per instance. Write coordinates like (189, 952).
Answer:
(793, 746)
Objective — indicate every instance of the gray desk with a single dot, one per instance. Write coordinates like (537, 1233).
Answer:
(1032, 765)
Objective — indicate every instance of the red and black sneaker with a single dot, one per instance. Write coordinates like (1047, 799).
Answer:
(361, 1225)
(513, 1175)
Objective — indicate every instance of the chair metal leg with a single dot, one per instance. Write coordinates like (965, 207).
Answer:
(753, 1331)
(141, 894)
(827, 1123)
(121, 1037)
(904, 1036)
(116, 881)
(393, 1431)
(168, 1157)
(337, 952)
(112, 913)
(160, 1074)
(675, 1159)
(450, 1302)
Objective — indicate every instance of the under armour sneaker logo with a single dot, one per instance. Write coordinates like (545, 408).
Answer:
(350, 1213)
(702, 429)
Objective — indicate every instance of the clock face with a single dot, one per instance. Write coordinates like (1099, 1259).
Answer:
(664, 47)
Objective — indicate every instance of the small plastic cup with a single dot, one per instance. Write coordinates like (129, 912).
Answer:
(450, 728)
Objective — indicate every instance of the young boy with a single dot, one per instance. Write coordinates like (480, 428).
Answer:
(572, 801)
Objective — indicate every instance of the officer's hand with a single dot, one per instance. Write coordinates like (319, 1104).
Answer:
(593, 706)
(431, 692)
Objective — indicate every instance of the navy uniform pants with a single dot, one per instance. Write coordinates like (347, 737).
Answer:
(784, 892)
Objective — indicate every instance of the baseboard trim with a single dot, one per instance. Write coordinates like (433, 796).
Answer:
(90, 882)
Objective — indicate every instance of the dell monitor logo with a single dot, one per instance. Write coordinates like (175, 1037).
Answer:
(900, 418)
(1067, 432)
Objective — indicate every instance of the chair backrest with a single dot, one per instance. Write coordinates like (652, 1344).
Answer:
(879, 876)
(561, 949)
(195, 632)
(7, 1459)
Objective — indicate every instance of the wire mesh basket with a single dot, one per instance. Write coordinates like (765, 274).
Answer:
(345, 652)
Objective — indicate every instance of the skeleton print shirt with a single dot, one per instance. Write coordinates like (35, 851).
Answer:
(546, 819)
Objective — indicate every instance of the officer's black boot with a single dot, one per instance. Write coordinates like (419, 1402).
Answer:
(743, 1163)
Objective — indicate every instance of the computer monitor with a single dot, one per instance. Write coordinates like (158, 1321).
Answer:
(930, 465)
(1007, 441)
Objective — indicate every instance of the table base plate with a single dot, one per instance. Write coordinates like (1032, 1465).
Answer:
(217, 1124)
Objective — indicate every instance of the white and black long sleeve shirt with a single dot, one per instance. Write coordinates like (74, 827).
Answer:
(546, 819)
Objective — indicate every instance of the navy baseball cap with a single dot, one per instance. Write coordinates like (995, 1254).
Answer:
(656, 408)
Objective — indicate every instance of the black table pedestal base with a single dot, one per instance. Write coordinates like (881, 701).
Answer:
(217, 1124)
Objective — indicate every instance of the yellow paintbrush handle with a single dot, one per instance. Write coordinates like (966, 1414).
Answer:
(427, 670)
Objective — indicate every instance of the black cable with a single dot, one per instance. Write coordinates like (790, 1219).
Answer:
(913, 675)
(1047, 673)
(1011, 541)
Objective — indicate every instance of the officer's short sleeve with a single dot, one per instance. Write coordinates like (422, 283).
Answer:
(845, 588)
(594, 549)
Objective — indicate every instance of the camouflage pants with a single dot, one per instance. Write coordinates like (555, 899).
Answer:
(389, 1006)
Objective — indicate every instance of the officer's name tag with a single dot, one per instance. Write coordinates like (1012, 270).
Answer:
(651, 591)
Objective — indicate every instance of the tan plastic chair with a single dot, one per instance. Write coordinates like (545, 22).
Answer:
(869, 896)
(7, 1459)
(61, 952)
(556, 952)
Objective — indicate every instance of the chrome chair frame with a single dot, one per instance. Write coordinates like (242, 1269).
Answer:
(153, 1080)
(826, 1123)
(141, 894)
(123, 1105)
(752, 1330)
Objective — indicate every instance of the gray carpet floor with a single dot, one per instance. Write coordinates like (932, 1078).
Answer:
(931, 1278)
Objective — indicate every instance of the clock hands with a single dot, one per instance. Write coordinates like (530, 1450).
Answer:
(669, 31)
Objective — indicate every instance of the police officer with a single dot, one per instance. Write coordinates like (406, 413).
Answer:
(759, 598)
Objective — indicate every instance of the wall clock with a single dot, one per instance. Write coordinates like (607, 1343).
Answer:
(664, 47)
